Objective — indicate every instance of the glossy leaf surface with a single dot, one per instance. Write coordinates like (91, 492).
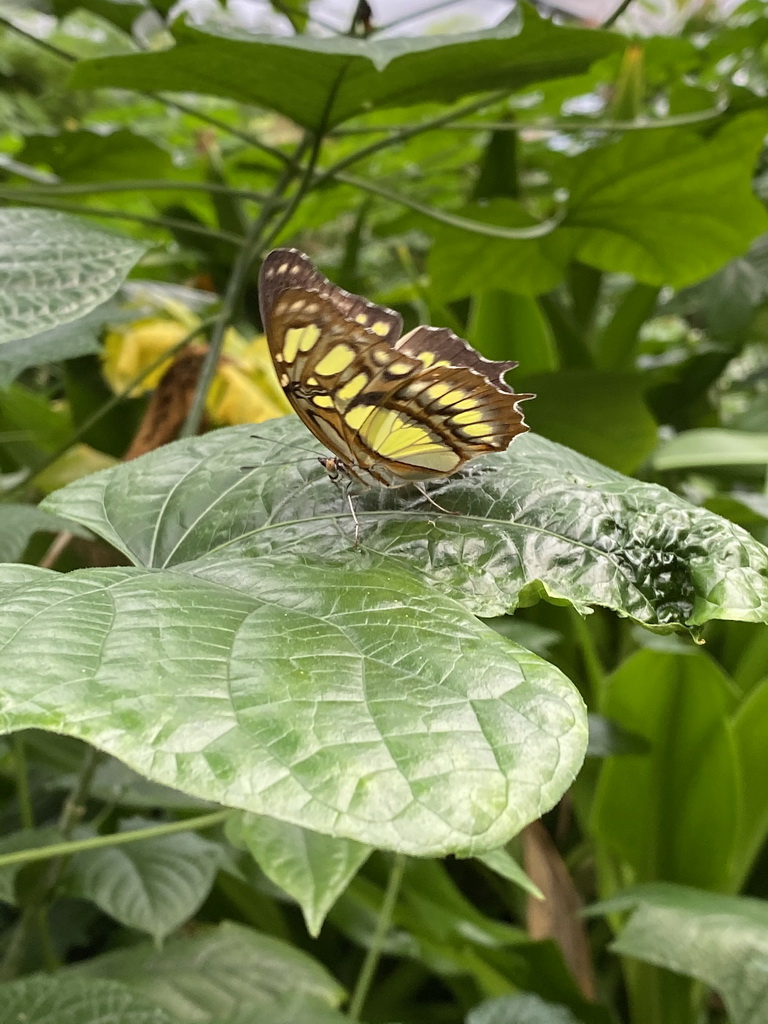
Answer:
(536, 520)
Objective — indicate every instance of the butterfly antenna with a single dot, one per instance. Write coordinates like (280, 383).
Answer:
(423, 493)
(285, 444)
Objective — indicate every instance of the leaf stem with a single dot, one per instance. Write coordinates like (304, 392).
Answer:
(455, 220)
(406, 133)
(66, 849)
(235, 287)
(166, 223)
(21, 773)
(373, 955)
(613, 18)
(137, 185)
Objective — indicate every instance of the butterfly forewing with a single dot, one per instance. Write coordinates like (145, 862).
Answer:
(392, 409)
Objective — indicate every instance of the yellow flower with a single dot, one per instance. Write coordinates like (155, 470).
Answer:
(244, 390)
(129, 350)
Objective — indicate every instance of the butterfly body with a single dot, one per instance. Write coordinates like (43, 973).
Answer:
(393, 410)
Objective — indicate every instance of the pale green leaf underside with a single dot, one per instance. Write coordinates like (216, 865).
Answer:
(312, 868)
(216, 973)
(55, 269)
(357, 705)
(537, 520)
(41, 999)
(721, 940)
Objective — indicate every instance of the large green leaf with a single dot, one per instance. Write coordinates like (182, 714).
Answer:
(55, 269)
(521, 1009)
(42, 999)
(215, 973)
(301, 76)
(356, 704)
(666, 206)
(537, 520)
(682, 821)
(721, 940)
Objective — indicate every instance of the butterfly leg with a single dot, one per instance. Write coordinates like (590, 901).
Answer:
(351, 504)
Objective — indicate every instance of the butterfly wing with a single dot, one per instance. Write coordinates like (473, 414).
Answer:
(393, 409)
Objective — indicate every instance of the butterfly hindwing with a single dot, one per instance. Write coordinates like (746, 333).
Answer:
(392, 409)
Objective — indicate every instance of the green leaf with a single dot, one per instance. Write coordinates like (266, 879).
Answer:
(55, 269)
(91, 156)
(504, 325)
(122, 13)
(357, 705)
(153, 885)
(749, 735)
(355, 74)
(463, 262)
(521, 1009)
(681, 822)
(77, 338)
(503, 863)
(19, 523)
(712, 447)
(721, 940)
(539, 520)
(312, 868)
(602, 415)
(240, 966)
(41, 999)
(667, 206)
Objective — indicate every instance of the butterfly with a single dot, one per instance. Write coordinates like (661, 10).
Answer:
(393, 410)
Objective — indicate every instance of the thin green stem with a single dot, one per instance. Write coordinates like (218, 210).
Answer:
(616, 14)
(478, 227)
(568, 125)
(21, 773)
(258, 238)
(235, 287)
(373, 955)
(406, 133)
(165, 223)
(137, 185)
(66, 849)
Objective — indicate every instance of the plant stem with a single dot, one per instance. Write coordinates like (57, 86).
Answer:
(235, 287)
(373, 955)
(137, 185)
(166, 223)
(66, 849)
(21, 772)
(406, 133)
(616, 14)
